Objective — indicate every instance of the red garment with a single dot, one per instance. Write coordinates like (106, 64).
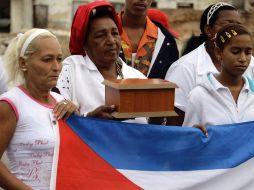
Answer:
(159, 16)
(79, 25)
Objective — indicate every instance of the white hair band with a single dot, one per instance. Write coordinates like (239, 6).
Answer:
(30, 39)
(214, 8)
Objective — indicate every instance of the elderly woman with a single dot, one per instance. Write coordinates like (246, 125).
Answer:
(95, 46)
(29, 112)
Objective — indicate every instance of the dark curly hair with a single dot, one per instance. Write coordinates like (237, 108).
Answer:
(229, 31)
(196, 41)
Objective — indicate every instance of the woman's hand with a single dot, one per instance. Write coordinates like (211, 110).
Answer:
(157, 120)
(103, 112)
(202, 128)
(64, 109)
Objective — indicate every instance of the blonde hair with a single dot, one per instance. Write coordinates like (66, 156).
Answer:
(15, 76)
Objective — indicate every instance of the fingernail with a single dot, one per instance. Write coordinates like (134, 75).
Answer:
(206, 134)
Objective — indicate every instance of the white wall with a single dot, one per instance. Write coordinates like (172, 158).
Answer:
(59, 13)
(198, 5)
(19, 20)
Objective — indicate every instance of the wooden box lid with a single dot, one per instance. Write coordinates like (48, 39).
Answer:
(140, 97)
(122, 84)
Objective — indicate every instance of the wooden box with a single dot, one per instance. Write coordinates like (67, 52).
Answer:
(140, 97)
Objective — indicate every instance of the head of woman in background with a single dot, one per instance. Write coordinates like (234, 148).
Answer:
(33, 60)
(212, 19)
(136, 8)
(95, 33)
(233, 50)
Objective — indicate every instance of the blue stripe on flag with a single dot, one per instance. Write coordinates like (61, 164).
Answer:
(158, 148)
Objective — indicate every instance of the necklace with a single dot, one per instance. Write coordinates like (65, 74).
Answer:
(119, 66)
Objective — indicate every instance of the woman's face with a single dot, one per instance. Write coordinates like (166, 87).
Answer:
(137, 7)
(224, 17)
(236, 55)
(103, 42)
(44, 66)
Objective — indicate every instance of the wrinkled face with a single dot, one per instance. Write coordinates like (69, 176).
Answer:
(236, 55)
(103, 42)
(224, 17)
(44, 66)
(137, 7)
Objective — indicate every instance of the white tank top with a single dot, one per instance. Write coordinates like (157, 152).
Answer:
(31, 148)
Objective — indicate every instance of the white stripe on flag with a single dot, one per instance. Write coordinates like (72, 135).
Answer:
(238, 178)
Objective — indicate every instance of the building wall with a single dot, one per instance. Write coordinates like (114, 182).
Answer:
(59, 12)
(58, 15)
(21, 15)
(197, 5)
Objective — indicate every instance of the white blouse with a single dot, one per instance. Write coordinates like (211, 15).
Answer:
(31, 148)
(188, 71)
(81, 82)
(211, 103)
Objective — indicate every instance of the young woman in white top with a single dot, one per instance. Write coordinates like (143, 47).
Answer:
(28, 112)
(189, 69)
(226, 97)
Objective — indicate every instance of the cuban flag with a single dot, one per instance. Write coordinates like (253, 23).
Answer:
(110, 155)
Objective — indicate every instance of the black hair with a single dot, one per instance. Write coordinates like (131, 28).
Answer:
(229, 31)
(192, 43)
(99, 12)
(196, 41)
(214, 18)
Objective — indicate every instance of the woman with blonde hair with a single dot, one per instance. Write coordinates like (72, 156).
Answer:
(29, 110)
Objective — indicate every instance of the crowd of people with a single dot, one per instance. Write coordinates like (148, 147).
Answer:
(215, 78)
